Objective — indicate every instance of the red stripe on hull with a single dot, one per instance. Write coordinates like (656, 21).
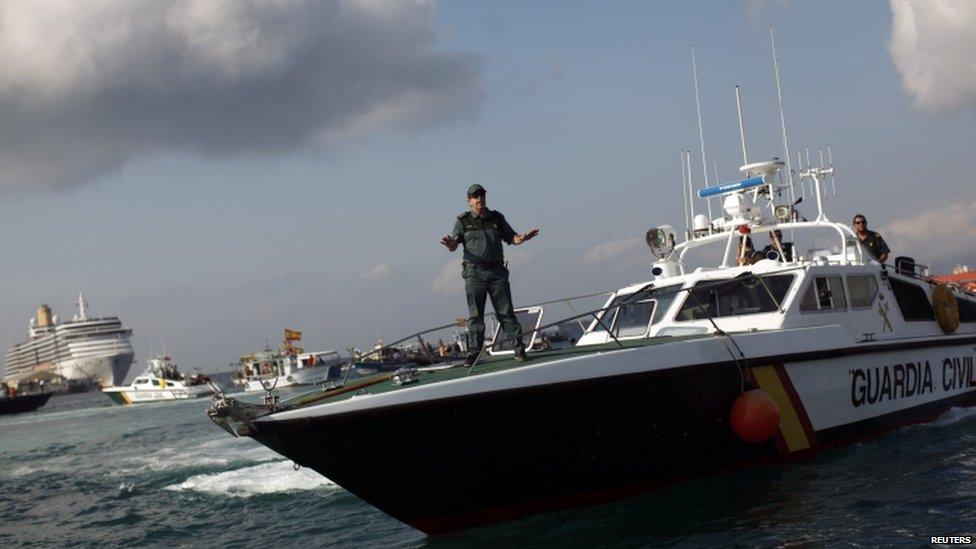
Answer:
(801, 412)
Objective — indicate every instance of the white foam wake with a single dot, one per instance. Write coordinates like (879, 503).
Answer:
(954, 415)
(266, 478)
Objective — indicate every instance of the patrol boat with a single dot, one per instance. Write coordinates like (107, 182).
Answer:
(694, 371)
(724, 358)
(162, 381)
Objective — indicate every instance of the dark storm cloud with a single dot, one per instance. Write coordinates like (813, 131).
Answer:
(92, 85)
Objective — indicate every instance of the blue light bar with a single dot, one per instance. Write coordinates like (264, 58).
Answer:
(730, 187)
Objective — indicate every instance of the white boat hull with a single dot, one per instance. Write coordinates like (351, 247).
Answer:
(128, 395)
(307, 376)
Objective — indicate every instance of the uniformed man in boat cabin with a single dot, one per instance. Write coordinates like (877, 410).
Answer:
(870, 239)
(482, 232)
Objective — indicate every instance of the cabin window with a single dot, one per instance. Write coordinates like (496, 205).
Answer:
(142, 381)
(912, 300)
(155, 382)
(665, 297)
(967, 310)
(744, 295)
(863, 289)
(633, 318)
(824, 293)
(631, 315)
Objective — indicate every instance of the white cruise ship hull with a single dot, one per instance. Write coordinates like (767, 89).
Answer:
(104, 371)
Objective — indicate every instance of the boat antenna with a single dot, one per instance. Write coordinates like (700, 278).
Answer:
(685, 194)
(742, 128)
(830, 160)
(701, 132)
(799, 167)
(813, 182)
(691, 199)
(782, 114)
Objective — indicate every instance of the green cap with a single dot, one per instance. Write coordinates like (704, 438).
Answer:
(476, 189)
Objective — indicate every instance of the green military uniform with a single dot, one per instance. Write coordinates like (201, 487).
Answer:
(875, 244)
(485, 275)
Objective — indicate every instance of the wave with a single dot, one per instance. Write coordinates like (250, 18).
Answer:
(211, 453)
(266, 478)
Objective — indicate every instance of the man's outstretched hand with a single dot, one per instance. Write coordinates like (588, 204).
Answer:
(451, 243)
(527, 236)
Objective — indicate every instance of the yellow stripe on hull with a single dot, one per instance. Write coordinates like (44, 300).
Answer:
(789, 421)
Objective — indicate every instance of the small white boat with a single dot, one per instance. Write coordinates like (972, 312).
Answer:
(280, 368)
(162, 381)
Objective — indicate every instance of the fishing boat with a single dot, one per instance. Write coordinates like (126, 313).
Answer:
(162, 381)
(13, 401)
(280, 368)
(725, 357)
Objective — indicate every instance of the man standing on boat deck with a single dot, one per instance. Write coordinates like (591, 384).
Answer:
(870, 239)
(482, 231)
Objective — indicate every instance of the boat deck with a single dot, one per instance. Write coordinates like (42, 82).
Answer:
(382, 383)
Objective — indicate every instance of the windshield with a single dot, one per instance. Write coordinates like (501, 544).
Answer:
(630, 315)
(744, 295)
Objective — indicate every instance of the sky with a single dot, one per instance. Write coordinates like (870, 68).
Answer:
(213, 171)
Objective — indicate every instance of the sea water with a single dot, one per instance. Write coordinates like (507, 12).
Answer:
(83, 472)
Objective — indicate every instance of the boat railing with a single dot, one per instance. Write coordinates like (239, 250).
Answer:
(729, 238)
(460, 323)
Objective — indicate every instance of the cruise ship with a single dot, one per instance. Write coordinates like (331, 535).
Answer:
(85, 351)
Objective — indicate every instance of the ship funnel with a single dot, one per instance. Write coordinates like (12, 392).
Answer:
(44, 316)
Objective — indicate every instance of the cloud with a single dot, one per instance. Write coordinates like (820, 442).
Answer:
(449, 281)
(86, 87)
(379, 272)
(932, 45)
(615, 249)
(953, 227)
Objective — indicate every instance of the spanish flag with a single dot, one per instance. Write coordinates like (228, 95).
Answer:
(292, 335)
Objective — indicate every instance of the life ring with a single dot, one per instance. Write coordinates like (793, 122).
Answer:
(946, 308)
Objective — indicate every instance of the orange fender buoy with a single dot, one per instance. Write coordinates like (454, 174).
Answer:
(755, 416)
(946, 308)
